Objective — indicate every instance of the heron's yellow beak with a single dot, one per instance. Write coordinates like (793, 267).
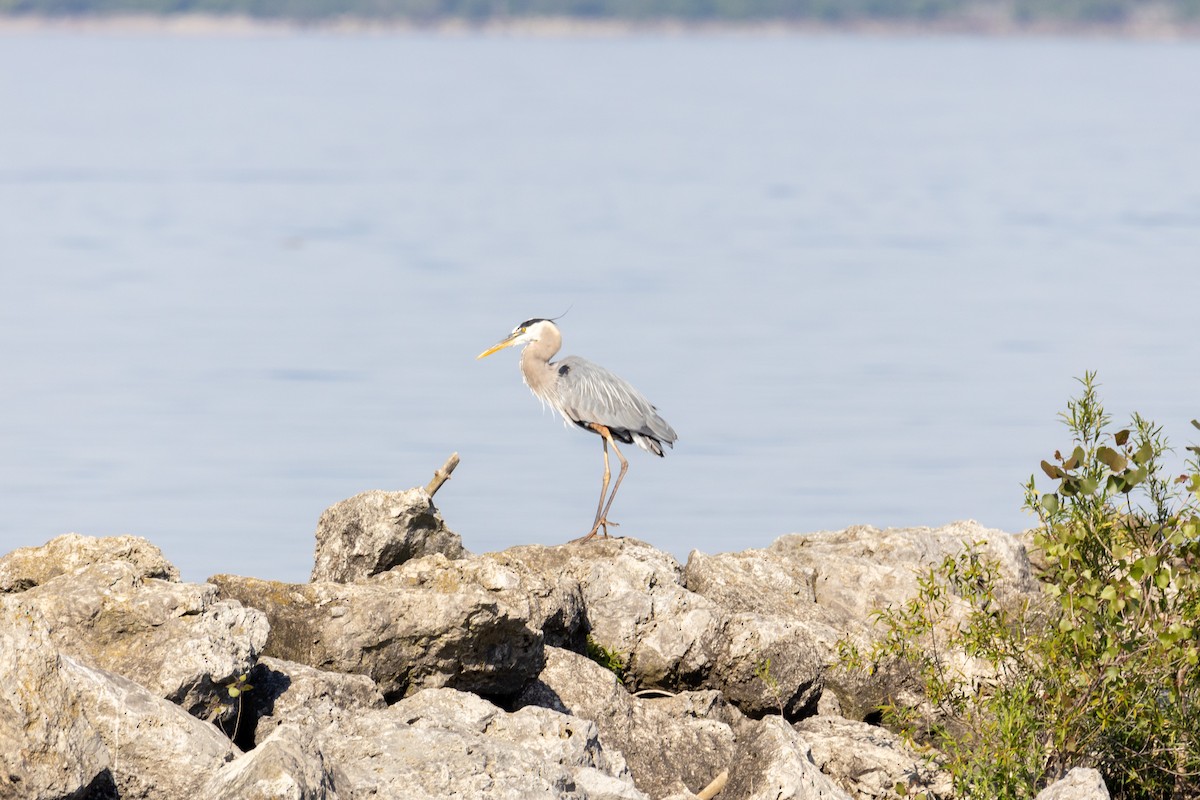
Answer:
(509, 342)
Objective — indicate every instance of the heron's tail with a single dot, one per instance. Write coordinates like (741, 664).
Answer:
(650, 444)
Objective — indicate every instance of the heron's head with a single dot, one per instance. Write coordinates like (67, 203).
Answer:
(528, 331)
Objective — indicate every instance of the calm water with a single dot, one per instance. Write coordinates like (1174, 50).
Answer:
(246, 277)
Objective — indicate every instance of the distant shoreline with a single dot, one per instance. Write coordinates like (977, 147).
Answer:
(1149, 27)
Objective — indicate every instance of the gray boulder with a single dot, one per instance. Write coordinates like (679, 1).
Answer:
(68, 729)
(286, 765)
(176, 639)
(550, 602)
(32, 566)
(774, 762)
(637, 606)
(769, 664)
(674, 638)
(377, 530)
(425, 632)
(481, 751)
(805, 592)
(1081, 783)
(775, 627)
(860, 569)
(672, 745)
(287, 693)
(868, 761)
(429, 624)
(156, 748)
(49, 749)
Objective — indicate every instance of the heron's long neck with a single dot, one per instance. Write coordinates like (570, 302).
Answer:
(535, 364)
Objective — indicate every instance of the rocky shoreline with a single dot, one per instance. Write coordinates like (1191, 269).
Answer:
(410, 668)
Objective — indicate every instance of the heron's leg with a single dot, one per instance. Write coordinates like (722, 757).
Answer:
(603, 487)
(606, 438)
(620, 476)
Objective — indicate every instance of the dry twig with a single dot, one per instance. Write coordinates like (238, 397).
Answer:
(442, 475)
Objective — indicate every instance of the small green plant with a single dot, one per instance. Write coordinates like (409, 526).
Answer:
(1101, 668)
(235, 692)
(611, 660)
(762, 671)
(902, 790)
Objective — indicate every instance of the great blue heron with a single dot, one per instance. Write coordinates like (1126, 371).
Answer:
(589, 396)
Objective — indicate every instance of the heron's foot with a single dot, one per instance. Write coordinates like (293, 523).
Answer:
(601, 525)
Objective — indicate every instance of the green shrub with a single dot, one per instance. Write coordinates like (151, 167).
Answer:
(611, 660)
(1101, 670)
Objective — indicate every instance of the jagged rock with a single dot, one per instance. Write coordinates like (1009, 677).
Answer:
(287, 765)
(407, 629)
(674, 638)
(48, 747)
(1081, 783)
(672, 745)
(813, 589)
(32, 566)
(377, 530)
(769, 664)
(861, 569)
(176, 639)
(157, 748)
(637, 606)
(549, 602)
(705, 725)
(481, 751)
(868, 761)
(286, 692)
(773, 762)
(783, 585)
(775, 623)
(477, 623)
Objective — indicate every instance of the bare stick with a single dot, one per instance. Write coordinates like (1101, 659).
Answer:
(714, 788)
(442, 475)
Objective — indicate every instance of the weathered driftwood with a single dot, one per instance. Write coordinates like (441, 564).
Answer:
(442, 475)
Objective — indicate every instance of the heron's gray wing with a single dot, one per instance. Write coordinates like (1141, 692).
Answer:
(588, 392)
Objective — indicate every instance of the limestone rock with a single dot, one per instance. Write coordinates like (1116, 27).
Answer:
(775, 623)
(1081, 783)
(773, 761)
(176, 639)
(377, 530)
(769, 664)
(404, 630)
(860, 569)
(782, 585)
(425, 631)
(287, 765)
(868, 761)
(286, 692)
(636, 605)
(32, 566)
(807, 591)
(705, 726)
(674, 638)
(49, 749)
(157, 748)
(548, 601)
(672, 745)
(481, 751)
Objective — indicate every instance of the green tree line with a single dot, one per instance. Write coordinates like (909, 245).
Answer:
(823, 11)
